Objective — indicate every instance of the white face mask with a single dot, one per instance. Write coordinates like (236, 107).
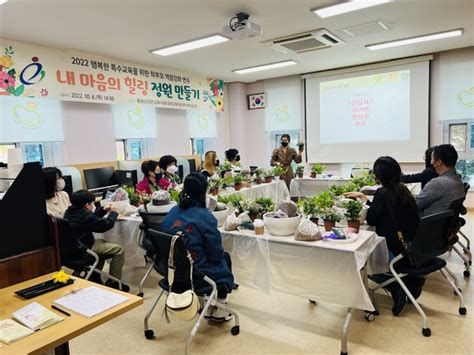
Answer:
(171, 169)
(60, 185)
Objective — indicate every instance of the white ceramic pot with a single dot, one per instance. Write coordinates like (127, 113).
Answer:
(161, 208)
(281, 226)
(221, 216)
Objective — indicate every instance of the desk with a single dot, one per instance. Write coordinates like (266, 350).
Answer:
(60, 333)
(308, 187)
(324, 271)
(277, 190)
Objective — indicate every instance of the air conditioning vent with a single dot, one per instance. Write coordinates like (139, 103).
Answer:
(304, 42)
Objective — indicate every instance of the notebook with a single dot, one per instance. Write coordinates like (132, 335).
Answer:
(11, 331)
(90, 301)
(35, 316)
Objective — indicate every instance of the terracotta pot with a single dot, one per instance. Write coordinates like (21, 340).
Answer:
(313, 175)
(328, 225)
(268, 179)
(354, 224)
(315, 220)
(258, 181)
(253, 216)
(237, 187)
(300, 175)
(214, 191)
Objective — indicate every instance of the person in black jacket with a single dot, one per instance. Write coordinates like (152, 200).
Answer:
(393, 209)
(85, 219)
(426, 175)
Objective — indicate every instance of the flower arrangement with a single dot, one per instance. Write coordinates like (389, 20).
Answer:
(278, 170)
(266, 204)
(132, 195)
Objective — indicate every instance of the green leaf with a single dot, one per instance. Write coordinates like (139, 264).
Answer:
(11, 90)
(19, 90)
(12, 72)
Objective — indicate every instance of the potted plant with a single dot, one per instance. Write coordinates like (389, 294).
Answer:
(308, 207)
(252, 208)
(330, 217)
(238, 182)
(225, 166)
(353, 209)
(299, 171)
(174, 194)
(214, 184)
(317, 169)
(259, 175)
(278, 171)
(268, 175)
(232, 200)
(228, 181)
(132, 195)
(266, 204)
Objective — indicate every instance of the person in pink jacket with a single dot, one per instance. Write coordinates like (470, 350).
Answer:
(152, 175)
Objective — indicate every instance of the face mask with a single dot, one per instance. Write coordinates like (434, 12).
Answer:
(237, 158)
(284, 144)
(216, 162)
(60, 185)
(171, 169)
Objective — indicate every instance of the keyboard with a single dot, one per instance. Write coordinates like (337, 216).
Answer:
(42, 288)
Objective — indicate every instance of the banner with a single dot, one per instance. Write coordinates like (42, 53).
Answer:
(134, 121)
(201, 124)
(40, 72)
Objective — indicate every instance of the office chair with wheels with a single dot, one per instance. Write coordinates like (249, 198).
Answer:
(206, 293)
(150, 221)
(76, 256)
(421, 258)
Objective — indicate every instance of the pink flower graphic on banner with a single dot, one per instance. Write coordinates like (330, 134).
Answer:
(44, 92)
(6, 80)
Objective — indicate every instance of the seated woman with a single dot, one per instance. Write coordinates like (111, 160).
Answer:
(233, 157)
(169, 166)
(152, 175)
(393, 209)
(426, 175)
(57, 200)
(211, 164)
(203, 239)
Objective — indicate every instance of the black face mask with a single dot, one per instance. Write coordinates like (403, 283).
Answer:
(237, 158)
(216, 163)
(284, 144)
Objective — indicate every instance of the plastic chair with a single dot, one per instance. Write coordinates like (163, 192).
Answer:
(76, 256)
(431, 240)
(150, 221)
(207, 293)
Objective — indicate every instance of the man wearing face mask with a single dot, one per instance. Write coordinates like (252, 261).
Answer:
(284, 155)
(170, 178)
(440, 192)
(85, 219)
(57, 201)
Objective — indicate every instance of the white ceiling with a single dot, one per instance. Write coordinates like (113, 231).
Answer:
(128, 29)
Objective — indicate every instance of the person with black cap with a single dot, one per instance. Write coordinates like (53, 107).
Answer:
(203, 239)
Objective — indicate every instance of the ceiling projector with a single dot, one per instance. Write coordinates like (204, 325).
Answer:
(240, 27)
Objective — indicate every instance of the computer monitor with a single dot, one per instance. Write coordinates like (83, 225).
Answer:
(126, 177)
(192, 165)
(100, 178)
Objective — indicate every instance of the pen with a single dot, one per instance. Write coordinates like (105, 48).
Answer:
(60, 310)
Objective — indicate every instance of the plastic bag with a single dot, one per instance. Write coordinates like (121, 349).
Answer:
(288, 207)
(117, 195)
(211, 203)
(307, 231)
(161, 197)
(231, 223)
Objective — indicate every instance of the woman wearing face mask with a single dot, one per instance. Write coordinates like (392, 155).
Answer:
(169, 167)
(233, 157)
(57, 201)
(152, 174)
(284, 155)
(211, 164)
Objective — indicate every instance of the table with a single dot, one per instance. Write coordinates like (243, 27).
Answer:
(60, 333)
(277, 190)
(307, 187)
(324, 271)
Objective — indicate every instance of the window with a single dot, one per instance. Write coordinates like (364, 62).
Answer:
(199, 146)
(458, 136)
(134, 149)
(120, 147)
(4, 152)
(33, 152)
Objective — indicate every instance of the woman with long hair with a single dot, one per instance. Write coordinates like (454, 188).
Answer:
(393, 209)
(211, 164)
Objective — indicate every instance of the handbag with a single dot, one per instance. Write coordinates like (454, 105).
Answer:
(184, 305)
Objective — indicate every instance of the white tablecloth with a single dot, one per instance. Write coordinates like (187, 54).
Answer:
(323, 271)
(307, 187)
(277, 190)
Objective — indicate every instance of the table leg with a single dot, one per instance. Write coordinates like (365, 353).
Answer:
(345, 331)
(62, 349)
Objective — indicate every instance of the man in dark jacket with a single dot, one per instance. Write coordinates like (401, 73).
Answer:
(85, 220)
(426, 175)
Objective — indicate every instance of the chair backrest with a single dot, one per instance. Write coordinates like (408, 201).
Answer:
(466, 188)
(69, 246)
(161, 243)
(152, 220)
(431, 238)
(457, 207)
